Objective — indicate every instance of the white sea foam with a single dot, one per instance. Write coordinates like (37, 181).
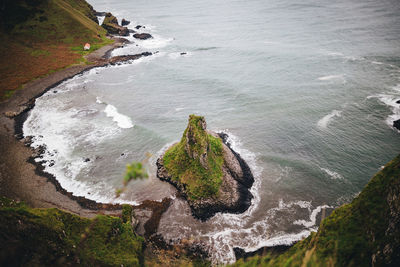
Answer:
(338, 77)
(341, 55)
(313, 217)
(326, 120)
(280, 239)
(390, 99)
(123, 121)
(257, 234)
(55, 125)
(101, 19)
(332, 174)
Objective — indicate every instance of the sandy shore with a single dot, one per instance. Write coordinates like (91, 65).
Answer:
(22, 179)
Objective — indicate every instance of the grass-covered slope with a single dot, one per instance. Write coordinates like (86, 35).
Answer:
(196, 161)
(40, 36)
(365, 232)
(51, 237)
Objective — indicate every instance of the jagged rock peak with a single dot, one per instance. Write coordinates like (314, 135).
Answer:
(196, 140)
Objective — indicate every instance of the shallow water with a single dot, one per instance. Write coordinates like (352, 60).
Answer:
(307, 93)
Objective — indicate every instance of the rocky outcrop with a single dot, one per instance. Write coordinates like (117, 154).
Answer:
(100, 14)
(396, 124)
(110, 23)
(142, 36)
(236, 179)
(125, 22)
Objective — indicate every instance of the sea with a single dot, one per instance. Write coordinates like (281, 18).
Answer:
(306, 90)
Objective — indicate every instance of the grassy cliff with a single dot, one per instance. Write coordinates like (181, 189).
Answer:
(363, 233)
(51, 237)
(196, 161)
(41, 36)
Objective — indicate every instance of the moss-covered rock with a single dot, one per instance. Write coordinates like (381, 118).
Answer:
(365, 232)
(211, 176)
(51, 237)
(110, 23)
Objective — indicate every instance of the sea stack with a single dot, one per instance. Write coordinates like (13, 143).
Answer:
(207, 172)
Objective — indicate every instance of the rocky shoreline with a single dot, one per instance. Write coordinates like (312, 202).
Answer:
(24, 179)
(234, 195)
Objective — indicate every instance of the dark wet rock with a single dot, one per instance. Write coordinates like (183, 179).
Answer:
(142, 36)
(398, 101)
(86, 160)
(396, 124)
(183, 53)
(138, 27)
(100, 14)
(125, 22)
(131, 31)
(233, 194)
(121, 59)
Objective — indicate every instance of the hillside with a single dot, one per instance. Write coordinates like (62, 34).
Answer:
(42, 36)
(51, 237)
(363, 233)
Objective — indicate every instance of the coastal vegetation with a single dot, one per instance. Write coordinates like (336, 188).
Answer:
(196, 161)
(41, 36)
(364, 232)
(52, 237)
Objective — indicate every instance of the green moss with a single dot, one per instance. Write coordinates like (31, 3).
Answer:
(200, 181)
(53, 237)
(127, 212)
(353, 232)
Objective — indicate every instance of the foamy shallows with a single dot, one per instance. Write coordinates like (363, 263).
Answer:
(122, 120)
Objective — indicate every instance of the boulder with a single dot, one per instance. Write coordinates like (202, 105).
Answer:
(100, 14)
(207, 172)
(125, 22)
(138, 27)
(142, 36)
(396, 124)
(398, 101)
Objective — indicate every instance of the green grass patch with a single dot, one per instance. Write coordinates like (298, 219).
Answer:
(354, 232)
(38, 237)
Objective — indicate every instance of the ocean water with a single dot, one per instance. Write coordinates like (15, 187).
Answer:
(306, 91)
